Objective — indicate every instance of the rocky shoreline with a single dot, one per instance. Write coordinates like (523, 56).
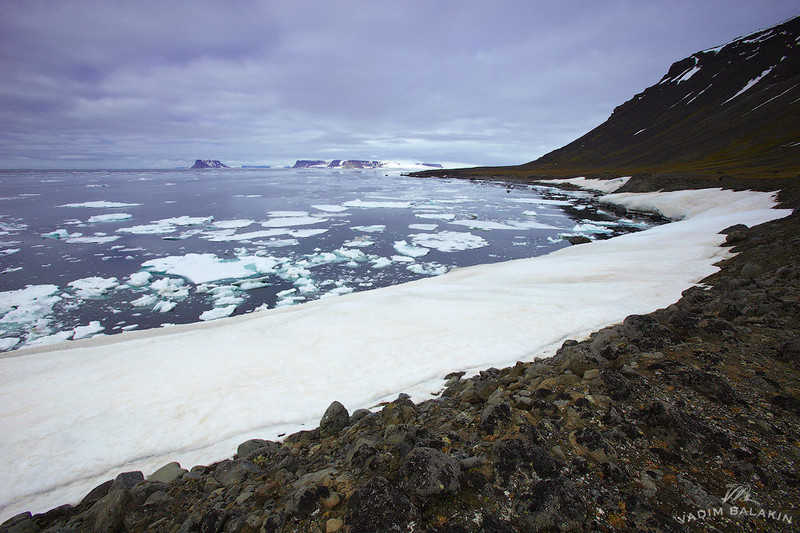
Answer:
(684, 419)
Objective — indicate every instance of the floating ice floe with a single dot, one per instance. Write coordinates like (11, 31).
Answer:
(375, 228)
(110, 217)
(26, 306)
(9, 251)
(358, 242)
(217, 312)
(233, 224)
(410, 250)
(277, 243)
(342, 255)
(100, 205)
(428, 269)
(170, 288)
(91, 330)
(591, 228)
(435, 216)
(381, 262)
(139, 279)
(165, 306)
(93, 287)
(61, 234)
(289, 221)
(373, 204)
(483, 224)
(204, 268)
(304, 233)
(530, 224)
(331, 208)
(149, 229)
(185, 220)
(423, 227)
(449, 241)
(540, 201)
(93, 239)
(6, 343)
(146, 300)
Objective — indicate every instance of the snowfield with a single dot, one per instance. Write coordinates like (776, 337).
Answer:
(77, 414)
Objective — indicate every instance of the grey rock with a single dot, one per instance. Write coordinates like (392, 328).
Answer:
(616, 384)
(358, 414)
(167, 473)
(493, 415)
(520, 457)
(110, 511)
(325, 477)
(551, 505)
(232, 472)
(126, 481)
(429, 472)
(96, 493)
(790, 351)
(334, 420)
(21, 523)
(306, 500)
(379, 506)
(248, 447)
(485, 388)
(750, 270)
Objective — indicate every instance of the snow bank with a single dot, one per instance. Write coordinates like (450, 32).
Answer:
(138, 400)
(605, 186)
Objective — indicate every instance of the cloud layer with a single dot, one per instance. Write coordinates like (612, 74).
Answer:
(102, 84)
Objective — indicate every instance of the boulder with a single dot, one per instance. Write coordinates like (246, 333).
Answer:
(429, 472)
(334, 420)
(379, 506)
(167, 473)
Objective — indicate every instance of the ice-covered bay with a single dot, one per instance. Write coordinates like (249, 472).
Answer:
(270, 237)
(192, 393)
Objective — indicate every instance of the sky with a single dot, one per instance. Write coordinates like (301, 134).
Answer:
(153, 84)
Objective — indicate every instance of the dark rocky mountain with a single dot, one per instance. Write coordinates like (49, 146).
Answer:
(733, 109)
(209, 163)
(306, 163)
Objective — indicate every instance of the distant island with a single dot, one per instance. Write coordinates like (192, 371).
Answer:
(353, 163)
(208, 163)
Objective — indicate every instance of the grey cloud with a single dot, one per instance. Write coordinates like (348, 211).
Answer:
(152, 83)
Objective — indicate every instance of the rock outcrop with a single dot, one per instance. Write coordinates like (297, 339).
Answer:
(208, 163)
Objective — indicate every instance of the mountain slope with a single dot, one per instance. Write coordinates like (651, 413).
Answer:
(734, 109)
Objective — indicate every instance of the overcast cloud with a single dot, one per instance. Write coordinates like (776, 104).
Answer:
(158, 84)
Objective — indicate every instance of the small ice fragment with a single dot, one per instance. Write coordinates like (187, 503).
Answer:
(410, 250)
(375, 228)
(99, 205)
(82, 332)
(93, 287)
(140, 279)
(111, 217)
(165, 306)
(330, 208)
(217, 312)
(146, 300)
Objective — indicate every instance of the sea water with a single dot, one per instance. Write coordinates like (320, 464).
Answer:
(98, 252)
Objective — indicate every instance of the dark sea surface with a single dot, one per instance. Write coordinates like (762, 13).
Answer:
(98, 252)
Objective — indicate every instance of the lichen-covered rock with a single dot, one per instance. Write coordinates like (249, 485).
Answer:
(551, 505)
(429, 472)
(334, 420)
(233, 472)
(379, 506)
